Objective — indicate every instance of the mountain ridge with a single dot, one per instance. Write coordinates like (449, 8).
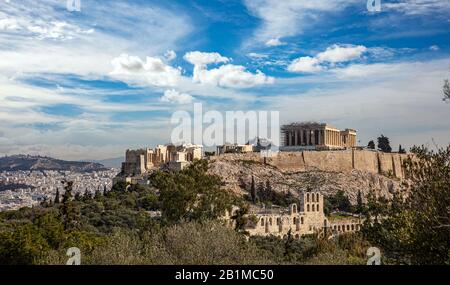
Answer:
(26, 162)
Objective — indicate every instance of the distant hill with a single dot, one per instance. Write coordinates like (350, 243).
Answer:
(30, 162)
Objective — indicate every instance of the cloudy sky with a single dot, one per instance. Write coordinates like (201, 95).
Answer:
(88, 84)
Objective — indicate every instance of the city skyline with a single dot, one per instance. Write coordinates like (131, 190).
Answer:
(88, 84)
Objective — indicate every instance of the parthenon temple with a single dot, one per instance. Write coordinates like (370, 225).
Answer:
(316, 136)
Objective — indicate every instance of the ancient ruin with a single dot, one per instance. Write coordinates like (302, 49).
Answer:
(140, 161)
(306, 218)
(316, 136)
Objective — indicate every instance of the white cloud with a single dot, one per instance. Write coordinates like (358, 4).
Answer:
(290, 17)
(287, 18)
(204, 58)
(401, 100)
(375, 70)
(228, 75)
(340, 53)
(154, 71)
(173, 96)
(9, 24)
(57, 30)
(434, 48)
(274, 43)
(332, 55)
(305, 64)
(43, 29)
(257, 55)
(418, 7)
(170, 55)
(50, 40)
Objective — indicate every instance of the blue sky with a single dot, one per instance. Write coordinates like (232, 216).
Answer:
(89, 84)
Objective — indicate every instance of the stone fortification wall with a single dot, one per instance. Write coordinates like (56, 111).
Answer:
(331, 161)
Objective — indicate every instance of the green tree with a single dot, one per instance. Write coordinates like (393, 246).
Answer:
(57, 196)
(384, 144)
(289, 246)
(253, 193)
(87, 195)
(371, 145)
(400, 149)
(69, 210)
(446, 91)
(23, 245)
(240, 218)
(340, 202)
(416, 230)
(78, 196)
(359, 203)
(68, 187)
(191, 194)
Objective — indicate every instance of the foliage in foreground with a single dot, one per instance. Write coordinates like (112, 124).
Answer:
(415, 230)
(195, 243)
(116, 227)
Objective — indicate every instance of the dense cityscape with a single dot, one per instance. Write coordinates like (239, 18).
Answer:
(27, 188)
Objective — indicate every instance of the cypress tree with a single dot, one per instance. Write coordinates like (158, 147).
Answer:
(253, 191)
(57, 196)
(359, 201)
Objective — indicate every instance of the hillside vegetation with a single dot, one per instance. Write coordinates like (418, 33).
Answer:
(122, 227)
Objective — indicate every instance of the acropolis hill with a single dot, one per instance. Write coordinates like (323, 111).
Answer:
(324, 171)
(313, 157)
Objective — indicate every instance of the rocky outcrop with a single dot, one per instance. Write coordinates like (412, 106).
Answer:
(287, 175)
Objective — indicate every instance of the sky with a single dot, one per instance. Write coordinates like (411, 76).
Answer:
(89, 84)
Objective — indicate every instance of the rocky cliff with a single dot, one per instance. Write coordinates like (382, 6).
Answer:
(324, 171)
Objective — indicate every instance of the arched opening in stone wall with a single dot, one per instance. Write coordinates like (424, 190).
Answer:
(294, 208)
